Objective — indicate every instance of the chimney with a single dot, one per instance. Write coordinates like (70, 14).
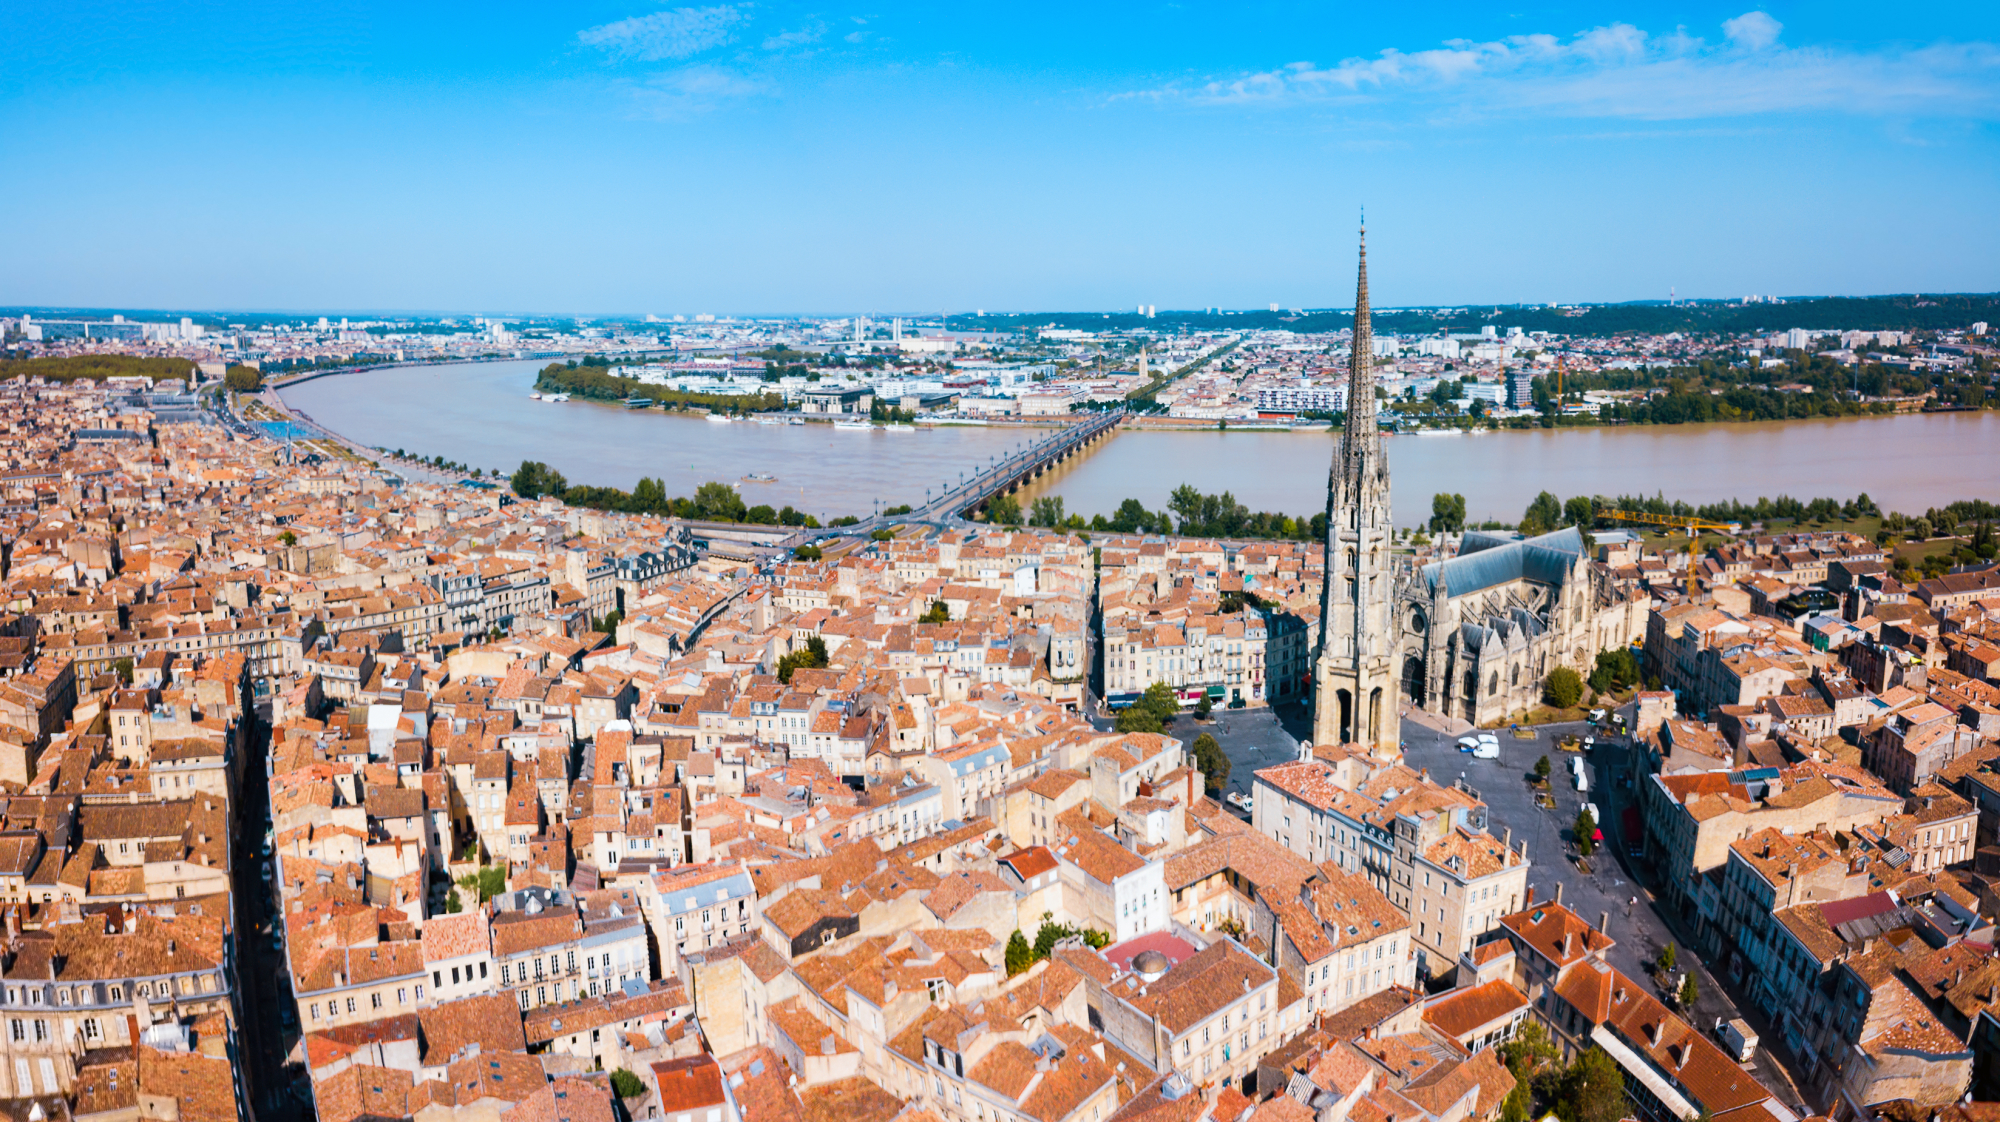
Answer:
(1530, 902)
(1507, 838)
(1559, 893)
(1604, 923)
(1566, 941)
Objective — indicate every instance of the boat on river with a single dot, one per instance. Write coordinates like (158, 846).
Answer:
(761, 477)
(862, 426)
(721, 418)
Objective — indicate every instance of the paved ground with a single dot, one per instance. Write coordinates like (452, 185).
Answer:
(1259, 738)
(1251, 738)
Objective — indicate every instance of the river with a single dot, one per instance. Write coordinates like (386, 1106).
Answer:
(1907, 462)
(480, 414)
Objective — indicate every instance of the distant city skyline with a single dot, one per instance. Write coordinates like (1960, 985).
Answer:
(616, 158)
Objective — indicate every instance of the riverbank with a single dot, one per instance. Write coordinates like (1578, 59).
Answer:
(1904, 462)
(481, 414)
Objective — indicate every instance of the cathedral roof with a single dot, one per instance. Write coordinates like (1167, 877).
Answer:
(1487, 559)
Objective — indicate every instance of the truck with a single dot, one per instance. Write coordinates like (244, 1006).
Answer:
(1736, 1038)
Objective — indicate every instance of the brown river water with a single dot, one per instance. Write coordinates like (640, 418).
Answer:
(481, 415)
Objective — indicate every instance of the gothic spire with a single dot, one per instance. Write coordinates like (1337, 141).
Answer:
(1361, 363)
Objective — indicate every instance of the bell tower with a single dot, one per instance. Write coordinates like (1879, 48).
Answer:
(1355, 690)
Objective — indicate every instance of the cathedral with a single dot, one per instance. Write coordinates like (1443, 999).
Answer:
(1471, 636)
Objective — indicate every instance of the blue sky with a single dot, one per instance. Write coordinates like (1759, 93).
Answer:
(614, 156)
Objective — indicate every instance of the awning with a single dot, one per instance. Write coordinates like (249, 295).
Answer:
(1217, 693)
(1637, 1067)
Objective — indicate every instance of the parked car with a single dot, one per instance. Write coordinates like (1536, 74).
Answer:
(1582, 784)
(1467, 743)
(1487, 750)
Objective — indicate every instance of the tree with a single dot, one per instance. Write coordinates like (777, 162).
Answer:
(1160, 700)
(1447, 513)
(533, 479)
(1543, 515)
(761, 515)
(1204, 707)
(1563, 688)
(626, 1084)
(1592, 1090)
(1666, 958)
(1586, 833)
(718, 502)
(938, 612)
(1020, 955)
(1528, 1050)
(1615, 670)
(243, 379)
(1543, 768)
(1004, 510)
(1212, 760)
(1047, 512)
(1690, 992)
(1579, 511)
(1136, 718)
(288, 539)
(452, 904)
(123, 668)
(812, 656)
(808, 553)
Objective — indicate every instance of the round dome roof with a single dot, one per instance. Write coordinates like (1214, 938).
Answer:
(1151, 963)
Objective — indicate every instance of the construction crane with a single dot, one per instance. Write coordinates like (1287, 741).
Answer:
(1692, 525)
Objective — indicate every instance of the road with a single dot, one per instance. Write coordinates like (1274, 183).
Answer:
(1610, 891)
(263, 980)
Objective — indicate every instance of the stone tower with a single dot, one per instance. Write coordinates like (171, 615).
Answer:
(1354, 681)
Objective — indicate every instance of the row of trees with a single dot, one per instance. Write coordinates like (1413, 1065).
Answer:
(69, 368)
(590, 380)
(1548, 512)
(1022, 954)
(711, 502)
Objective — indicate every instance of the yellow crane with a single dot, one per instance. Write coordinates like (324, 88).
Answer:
(1693, 526)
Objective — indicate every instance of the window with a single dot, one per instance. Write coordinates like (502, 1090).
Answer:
(350, 1005)
(375, 1000)
(402, 996)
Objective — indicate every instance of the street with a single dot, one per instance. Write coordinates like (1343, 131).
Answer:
(1609, 892)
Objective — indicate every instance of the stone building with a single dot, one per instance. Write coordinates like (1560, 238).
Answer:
(1478, 633)
(1471, 636)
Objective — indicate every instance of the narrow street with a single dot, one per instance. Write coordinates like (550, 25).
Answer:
(262, 976)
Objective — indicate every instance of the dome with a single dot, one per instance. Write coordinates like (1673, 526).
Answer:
(1150, 965)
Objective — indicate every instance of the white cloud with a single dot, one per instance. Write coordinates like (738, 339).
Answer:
(797, 37)
(1619, 70)
(693, 90)
(1753, 31)
(676, 33)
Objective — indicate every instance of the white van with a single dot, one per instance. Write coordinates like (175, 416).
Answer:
(1582, 784)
